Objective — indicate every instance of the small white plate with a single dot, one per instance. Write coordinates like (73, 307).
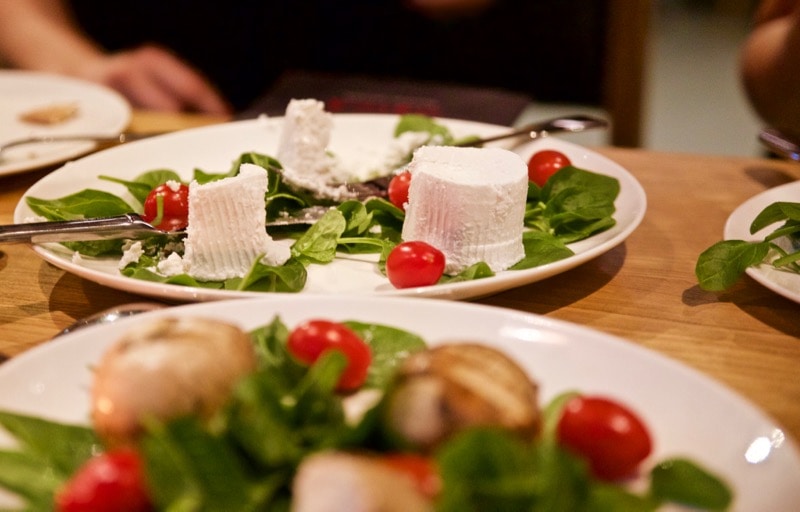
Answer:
(100, 111)
(737, 227)
(357, 139)
(688, 414)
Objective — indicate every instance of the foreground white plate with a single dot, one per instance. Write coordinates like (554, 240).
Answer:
(688, 414)
(101, 111)
(737, 227)
(357, 139)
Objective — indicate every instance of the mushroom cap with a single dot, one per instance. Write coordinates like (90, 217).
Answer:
(449, 388)
(164, 369)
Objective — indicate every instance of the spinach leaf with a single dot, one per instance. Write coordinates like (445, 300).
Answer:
(141, 186)
(86, 204)
(683, 481)
(573, 204)
(722, 264)
(541, 248)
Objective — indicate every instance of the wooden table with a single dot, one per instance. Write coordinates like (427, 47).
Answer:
(644, 290)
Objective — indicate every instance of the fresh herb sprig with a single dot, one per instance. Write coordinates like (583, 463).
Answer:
(720, 266)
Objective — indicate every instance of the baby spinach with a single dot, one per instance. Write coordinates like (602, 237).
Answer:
(721, 265)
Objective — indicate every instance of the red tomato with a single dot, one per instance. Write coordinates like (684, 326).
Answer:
(308, 341)
(544, 164)
(422, 471)
(414, 263)
(175, 213)
(113, 481)
(608, 434)
(398, 189)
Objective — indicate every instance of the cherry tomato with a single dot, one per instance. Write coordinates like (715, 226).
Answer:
(421, 469)
(308, 341)
(112, 481)
(414, 263)
(175, 213)
(609, 435)
(398, 189)
(544, 164)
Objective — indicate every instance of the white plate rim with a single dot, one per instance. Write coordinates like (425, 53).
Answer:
(631, 194)
(95, 100)
(531, 338)
(737, 227)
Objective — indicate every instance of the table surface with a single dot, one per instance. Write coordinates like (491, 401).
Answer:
(644, 290)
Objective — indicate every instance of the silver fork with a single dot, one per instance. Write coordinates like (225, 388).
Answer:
(130, 226)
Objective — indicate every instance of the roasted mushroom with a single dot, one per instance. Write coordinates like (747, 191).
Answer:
(165, 369)
(446, 389)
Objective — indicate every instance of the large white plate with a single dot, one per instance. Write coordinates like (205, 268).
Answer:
(737, 227)
(356, 138)
(688, 413)
(101, 111)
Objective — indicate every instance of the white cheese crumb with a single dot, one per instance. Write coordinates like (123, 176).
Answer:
(131, 254)
(77, 259)
(172, 266)
(174, 185)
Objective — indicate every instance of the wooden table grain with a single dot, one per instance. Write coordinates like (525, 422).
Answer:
(644, 290)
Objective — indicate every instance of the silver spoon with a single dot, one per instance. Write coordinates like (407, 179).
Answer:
(110, 315)
(128, 226)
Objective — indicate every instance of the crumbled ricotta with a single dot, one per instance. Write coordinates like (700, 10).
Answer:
(469, 203)
(172, 265)
(132, 251)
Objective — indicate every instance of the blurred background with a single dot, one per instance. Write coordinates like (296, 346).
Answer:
(693, 100)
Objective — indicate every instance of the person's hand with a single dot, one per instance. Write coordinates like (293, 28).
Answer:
(154, 79)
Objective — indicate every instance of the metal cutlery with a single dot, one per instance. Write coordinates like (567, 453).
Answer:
(127, 226)
(780, 144)
(562, 124)
(100, 141)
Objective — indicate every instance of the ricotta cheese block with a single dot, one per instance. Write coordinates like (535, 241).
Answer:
(469, 203)
(226, 231)
(303, 150)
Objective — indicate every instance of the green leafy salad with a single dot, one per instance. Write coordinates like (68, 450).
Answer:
(249, 454)
(720, 266)
(573, 205)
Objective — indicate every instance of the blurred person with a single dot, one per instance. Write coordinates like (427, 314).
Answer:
(218, 57)
(770, 64)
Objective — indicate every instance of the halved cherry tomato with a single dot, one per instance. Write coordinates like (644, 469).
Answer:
(421, 469)
(175, 213)
(414, 263)
(112, 481)
(309, 340)
(544, 164)
(398, 189)
(607, 434)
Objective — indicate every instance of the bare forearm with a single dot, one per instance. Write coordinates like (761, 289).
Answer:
(40, 35)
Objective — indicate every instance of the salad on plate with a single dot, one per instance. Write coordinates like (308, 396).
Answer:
(194, 413)
(571, 205)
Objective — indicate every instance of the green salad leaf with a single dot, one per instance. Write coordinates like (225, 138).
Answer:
(721, 265)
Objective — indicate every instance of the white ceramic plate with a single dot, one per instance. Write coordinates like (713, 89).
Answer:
(356, 138)
(688, 414)
(101, 111)
(737, 227)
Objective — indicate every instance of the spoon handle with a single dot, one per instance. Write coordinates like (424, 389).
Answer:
(105, 228)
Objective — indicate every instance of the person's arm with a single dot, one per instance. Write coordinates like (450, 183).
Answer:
(770, 64)
(41, 35)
